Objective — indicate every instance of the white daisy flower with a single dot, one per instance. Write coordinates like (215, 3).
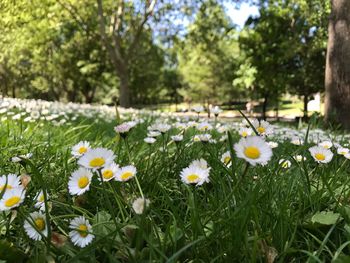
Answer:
(140, 204)
(149, 140)
(194, 175)
(109, 172)
(153, 134)
(342, 151)
(35, 226)
(245, 132)
(226, 159)
(321, 154)
(198, 109)
(284, 163)
(177, 138)
(204, 126)
(12, 198)
(13, 181)
(96, 158)
(216, 110)
(254, 150)
(40, 202)
(125, 173)
(297, 141)
(124, 128)
(299, 158)
(326, 144)
(80, 149)
(201, 163)
(79, 182)
(263, 127)
(81, 234)
(273, 144)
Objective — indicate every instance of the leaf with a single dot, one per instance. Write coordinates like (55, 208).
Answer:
(10, 253)
(103, 224)
(325, 218)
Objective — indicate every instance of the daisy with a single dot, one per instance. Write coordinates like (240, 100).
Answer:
(201, 163)
(273, 144)
(40, 200)
(177, 138)
(342, 151)
(263, 127)
(245, 132)
(153, 134)
(321, 154)
(226, 159)
(35, 226)
(216, 111)
(140, 204)
(198, 109)
(284, 163)
(124, 128)
(297, 141)
(125, 173)
(96, 158)
(79, 182)
(80, 149)
(204, 126)
(299, 158)
(194, 175)
(11, 181)
(149, 140)
(254, 150)
(326, 144)
(81, 234)
(12, 198)
(109, 172)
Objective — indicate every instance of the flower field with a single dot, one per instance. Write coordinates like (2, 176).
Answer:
(82, 183)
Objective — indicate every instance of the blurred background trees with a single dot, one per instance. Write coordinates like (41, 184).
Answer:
(146, 52)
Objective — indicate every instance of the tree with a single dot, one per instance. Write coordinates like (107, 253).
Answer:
(206, 56)
(337, 81)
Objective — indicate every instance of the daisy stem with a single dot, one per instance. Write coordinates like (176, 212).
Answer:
(127, 148)
(139, 186)
(245, 170)
(117, 200)
(107, 198)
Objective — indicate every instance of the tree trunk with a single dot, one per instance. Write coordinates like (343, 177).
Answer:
(337, 81)
(124, 96)
(306, 101)
(264, 107)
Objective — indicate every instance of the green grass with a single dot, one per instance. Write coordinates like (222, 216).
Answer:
(245, 213)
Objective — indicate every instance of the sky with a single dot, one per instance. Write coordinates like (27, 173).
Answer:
(240, 15)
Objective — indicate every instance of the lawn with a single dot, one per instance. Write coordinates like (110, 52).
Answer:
(216, 192)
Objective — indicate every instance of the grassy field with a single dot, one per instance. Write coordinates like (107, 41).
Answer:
(280, 202)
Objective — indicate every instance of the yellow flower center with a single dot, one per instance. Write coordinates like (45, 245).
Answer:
(192, 178)
(82, 229)
(261, 129)
(227, 159)
(82, 150)
(14, 200)
(320, 156)
(252, 152)
(97, 162)
(41, 198)
(343, 152)
(8, 187)
(244, 134)
(107, 174)
(40, 224)
(285, 164)
(126, 175)
(83, 182)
